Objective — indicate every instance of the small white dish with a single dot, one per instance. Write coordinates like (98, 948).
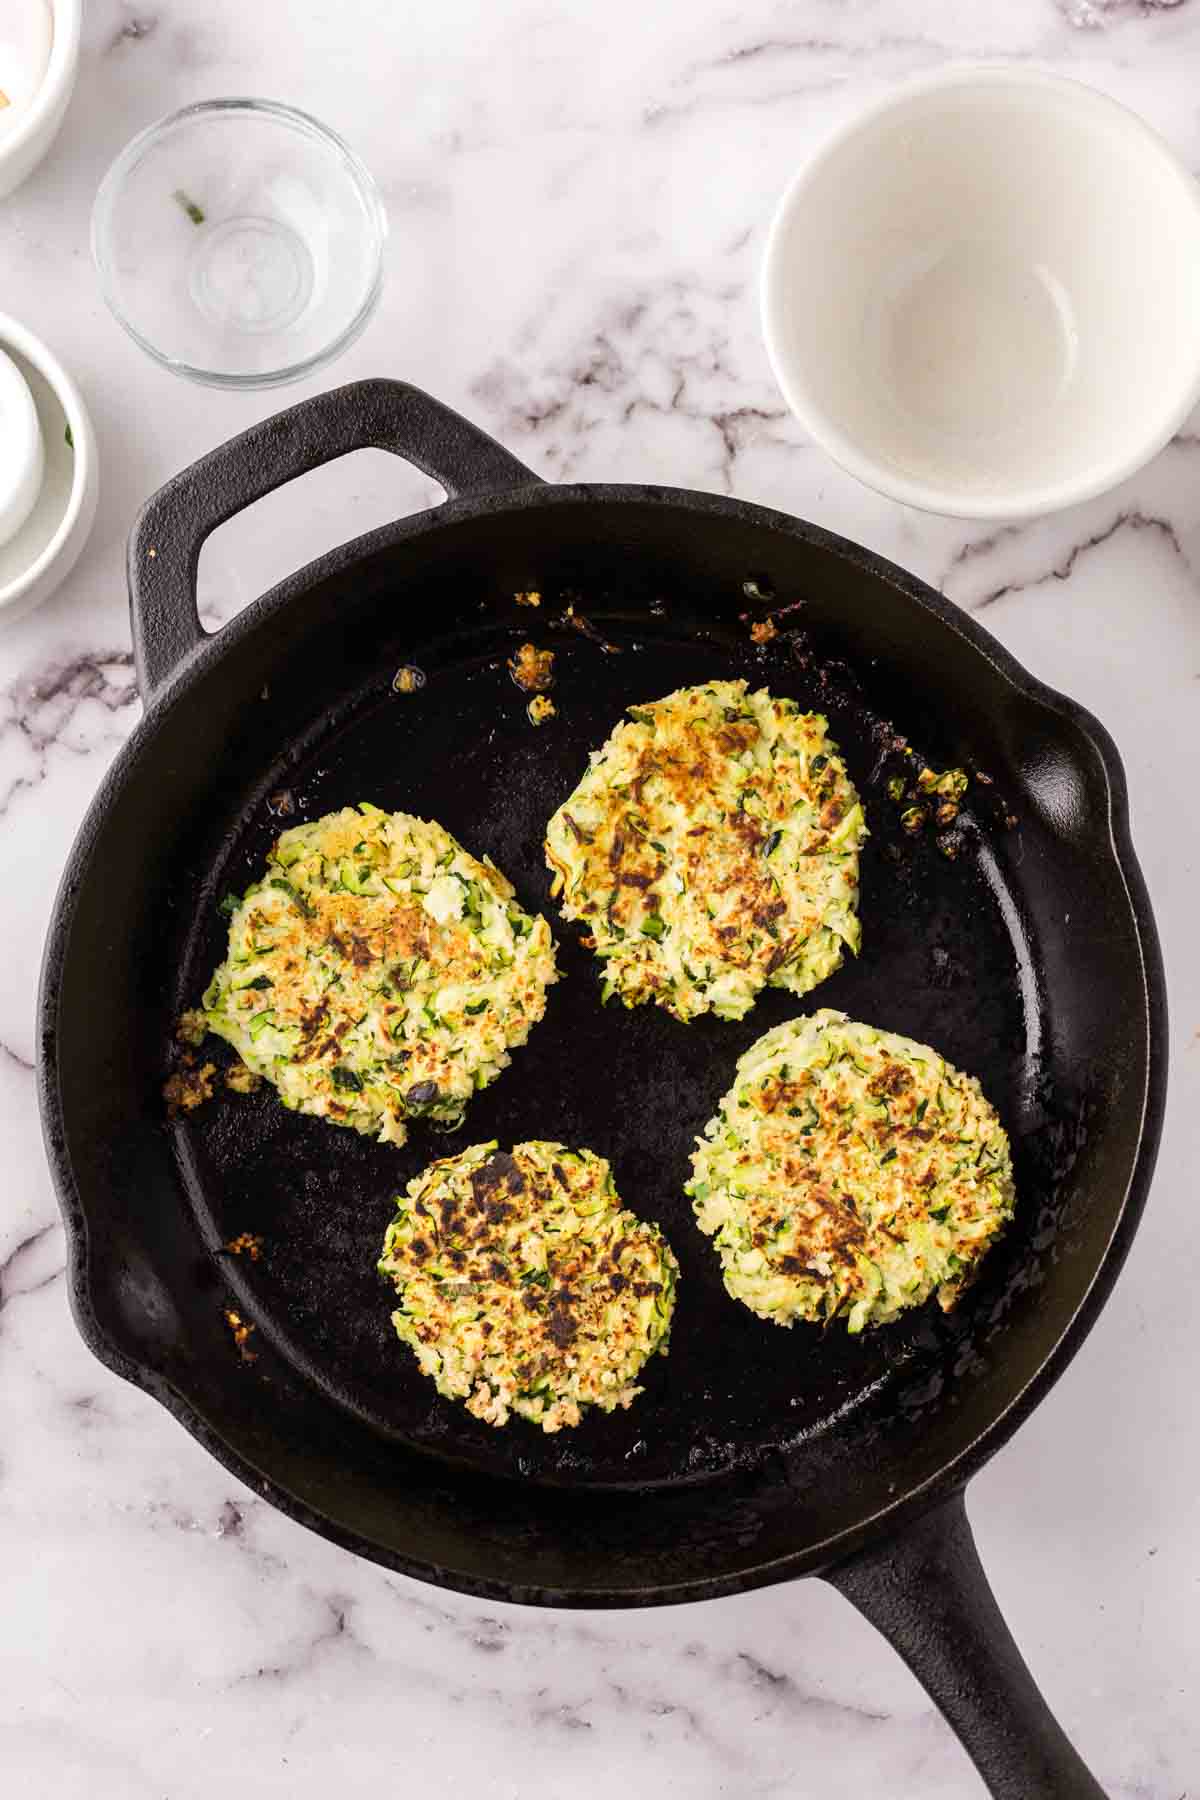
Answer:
(25, 141)
(42, 553)
(22, 451)
(982, 295)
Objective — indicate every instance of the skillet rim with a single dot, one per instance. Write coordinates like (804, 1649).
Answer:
(886, 1520)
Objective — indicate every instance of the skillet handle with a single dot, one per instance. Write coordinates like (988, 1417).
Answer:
(165, 543)
(927, 1593)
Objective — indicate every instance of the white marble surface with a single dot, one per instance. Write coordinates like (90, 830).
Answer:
(578, 194)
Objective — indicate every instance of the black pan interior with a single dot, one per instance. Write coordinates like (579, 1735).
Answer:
(939, 963)
(1018, 958)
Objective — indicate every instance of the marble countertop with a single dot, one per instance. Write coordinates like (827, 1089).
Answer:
(578, 195)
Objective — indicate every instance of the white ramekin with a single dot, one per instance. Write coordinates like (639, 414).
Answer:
(47, 547)
(982, 295)
(22, 149)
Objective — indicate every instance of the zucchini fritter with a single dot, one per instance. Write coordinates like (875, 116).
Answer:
(378, 972)
(524, 1287)
(712, 849)
(849, 1173)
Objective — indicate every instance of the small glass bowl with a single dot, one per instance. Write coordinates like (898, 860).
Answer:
(240, 243)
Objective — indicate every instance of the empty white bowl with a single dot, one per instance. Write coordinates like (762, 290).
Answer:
(27, 137)
(42, 553)
(982, 296)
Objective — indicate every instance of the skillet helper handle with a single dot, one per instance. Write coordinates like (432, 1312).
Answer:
(927, 1593)
(165, 544)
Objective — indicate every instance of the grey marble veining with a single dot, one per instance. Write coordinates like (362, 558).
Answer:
(578, 197)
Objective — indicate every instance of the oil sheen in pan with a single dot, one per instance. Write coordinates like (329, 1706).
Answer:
(943, 961)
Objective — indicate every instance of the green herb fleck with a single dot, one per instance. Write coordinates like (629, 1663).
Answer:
(342, 1077)
(195, 213)
(298, 901)
(68, 440)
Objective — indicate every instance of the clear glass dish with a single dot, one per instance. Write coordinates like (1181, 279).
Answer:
(240, 243)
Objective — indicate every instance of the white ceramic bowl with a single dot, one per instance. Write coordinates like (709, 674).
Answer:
(982, 296)
(23, 146)
(47, 546)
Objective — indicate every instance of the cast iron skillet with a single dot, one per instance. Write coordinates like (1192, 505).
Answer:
(754, 1454)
